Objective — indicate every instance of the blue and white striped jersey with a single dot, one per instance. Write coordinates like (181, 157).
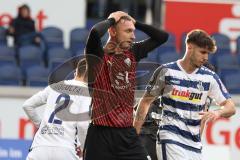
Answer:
(183, 97)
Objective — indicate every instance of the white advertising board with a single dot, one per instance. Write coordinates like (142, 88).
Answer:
(221, 139)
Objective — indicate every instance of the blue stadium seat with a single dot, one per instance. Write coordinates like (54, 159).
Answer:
(53, 37)
(29, 56)
(59, 53)
(168, 57)
(153, 56)
(7, 55)
(183, 45)
(78, 37)
(37, 76)
(238, 45)
(10, 75)
(79, 52)
(165, 49)
(227, 62)
(144, 73)
(169, 46)
(79, 34)
(91, 22)
(3, 36)
(223, 43)
(57, 56)
(212, 59)
(238, 58)
(140, 35)
(224, 72)
(232, 83)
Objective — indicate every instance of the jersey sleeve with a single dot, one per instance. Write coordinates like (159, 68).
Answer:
(33, 102)
(94, 44)
(82, 128)
(218, 91)
(156, 38)
(157, 82)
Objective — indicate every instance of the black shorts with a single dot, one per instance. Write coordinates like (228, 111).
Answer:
(109, 143)
(150, 144)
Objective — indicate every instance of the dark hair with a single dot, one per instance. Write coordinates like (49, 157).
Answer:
(24, 6)
(81, 67)
(202, 39)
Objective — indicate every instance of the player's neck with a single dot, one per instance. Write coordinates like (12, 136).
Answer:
(82, 79)
(112, 39)
(187, 66)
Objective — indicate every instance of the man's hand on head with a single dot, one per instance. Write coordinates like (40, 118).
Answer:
(117, 15)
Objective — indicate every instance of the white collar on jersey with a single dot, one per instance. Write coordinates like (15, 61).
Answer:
(182, 69)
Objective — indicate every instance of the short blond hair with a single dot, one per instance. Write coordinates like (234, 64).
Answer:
(81, 67)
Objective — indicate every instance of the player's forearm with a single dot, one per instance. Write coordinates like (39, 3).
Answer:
(155, 33)
(82, 133)
(94, 44)
(202, 127)
(142, 111)
(139, 118)
(227, 109)
(102, 27)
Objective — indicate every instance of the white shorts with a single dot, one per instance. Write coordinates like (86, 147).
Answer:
(168, 151)
(52, 153)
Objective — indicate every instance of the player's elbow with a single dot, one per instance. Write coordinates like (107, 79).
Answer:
(26, 107)
(95, 32)
(162, 38)
(233, 110)
(165, 37)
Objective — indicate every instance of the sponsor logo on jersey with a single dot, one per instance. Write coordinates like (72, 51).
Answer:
(52, 129)
(186, 95)
(175, 81)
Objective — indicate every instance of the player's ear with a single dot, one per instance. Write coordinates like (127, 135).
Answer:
(75, 73)
(189, 46)
(112, 31)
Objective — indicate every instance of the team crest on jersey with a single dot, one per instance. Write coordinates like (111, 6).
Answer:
(200, 86)
(128, 62)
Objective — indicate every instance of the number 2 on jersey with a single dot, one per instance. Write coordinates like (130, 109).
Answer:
(66, 101)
